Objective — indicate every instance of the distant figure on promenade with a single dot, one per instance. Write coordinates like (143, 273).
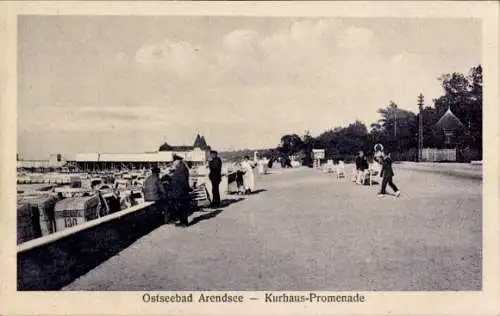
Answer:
(215, 176)
(262, 166)
(286, 162)
(154, 191)
(270, 162)
(240, 184)
(387, 173)
(361, 168)
(179, 191)
(248, 177)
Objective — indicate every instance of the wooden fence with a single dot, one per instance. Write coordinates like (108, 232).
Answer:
(434, 154)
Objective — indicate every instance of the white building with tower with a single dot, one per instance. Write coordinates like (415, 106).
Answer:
(197, 154)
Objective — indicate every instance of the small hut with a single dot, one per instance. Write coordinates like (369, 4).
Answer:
(451, 127)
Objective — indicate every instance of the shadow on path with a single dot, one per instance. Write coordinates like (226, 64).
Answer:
(224, 203)
(58, 264)
(204, 217)
(251, 193)
(257, 191)
(227, 202)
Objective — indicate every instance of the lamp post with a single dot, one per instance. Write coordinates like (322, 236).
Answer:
(395, 122)
(396, 145)
(420, 126)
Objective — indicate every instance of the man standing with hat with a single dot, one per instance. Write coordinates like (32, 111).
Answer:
(179, 190)
(215, 176)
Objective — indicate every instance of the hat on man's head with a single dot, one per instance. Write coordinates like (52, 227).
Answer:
(177, 157)
(155, 170)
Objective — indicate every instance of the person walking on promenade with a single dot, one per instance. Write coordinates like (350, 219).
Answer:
(248, 177)
(361, 168)
(179, 191)
(154, 191)
(215, 166)
(387, 173)
(239, 179)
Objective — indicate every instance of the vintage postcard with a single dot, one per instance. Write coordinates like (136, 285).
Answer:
(209, 158)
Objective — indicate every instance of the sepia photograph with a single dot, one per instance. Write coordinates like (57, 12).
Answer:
(313, 159)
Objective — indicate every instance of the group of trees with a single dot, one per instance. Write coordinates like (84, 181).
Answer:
(397, 129)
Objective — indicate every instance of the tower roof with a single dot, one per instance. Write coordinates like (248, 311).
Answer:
(200, 142)
(449, 121)
(165, 147)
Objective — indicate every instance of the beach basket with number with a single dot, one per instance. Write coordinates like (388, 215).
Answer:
(74, 211)
(28, 222)
(45, 204)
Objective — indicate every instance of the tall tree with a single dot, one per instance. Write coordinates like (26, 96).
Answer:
(396, 128)
(456, 95)
(463, 95)
(475, 122)
(429, 131)
(343, 142)
(308, 144)
(291, 144)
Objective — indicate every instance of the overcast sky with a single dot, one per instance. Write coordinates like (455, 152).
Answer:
(127, 84)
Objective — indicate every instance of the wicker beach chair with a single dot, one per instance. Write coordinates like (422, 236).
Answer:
(354, 174)
(340, 169)
(373, 171)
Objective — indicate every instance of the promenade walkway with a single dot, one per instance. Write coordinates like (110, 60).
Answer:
(309, 230)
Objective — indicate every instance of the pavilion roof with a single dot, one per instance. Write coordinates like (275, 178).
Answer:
(450, 121)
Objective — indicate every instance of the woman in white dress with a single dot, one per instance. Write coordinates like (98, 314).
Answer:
(248, 177)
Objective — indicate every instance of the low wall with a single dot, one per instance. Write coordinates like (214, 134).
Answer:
(53, 261)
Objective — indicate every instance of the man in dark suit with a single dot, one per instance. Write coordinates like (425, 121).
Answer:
(215, 166)
(179, 191)
(387, 173)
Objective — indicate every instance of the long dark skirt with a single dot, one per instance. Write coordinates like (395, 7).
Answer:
(178, 210)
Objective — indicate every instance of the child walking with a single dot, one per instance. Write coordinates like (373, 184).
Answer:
(387, 173)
